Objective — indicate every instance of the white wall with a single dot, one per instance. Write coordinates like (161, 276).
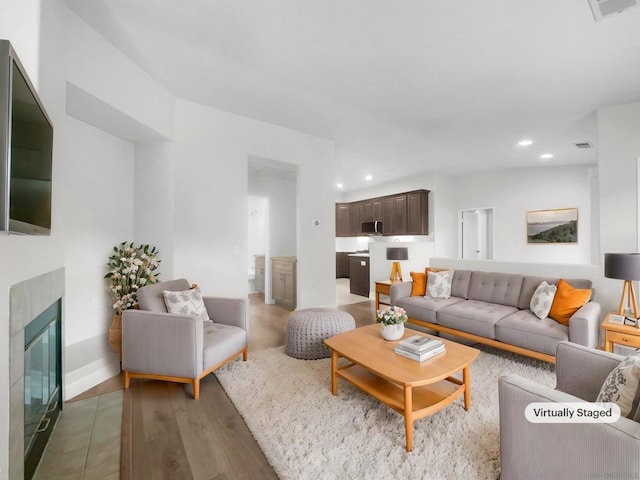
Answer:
(511, 193)
(154, 204)
(210, 195)
(98, 200)
(95, 66)
(281, 194)
(23, 257)
(618, 150)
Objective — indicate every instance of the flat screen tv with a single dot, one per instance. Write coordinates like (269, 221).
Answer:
(26, 151)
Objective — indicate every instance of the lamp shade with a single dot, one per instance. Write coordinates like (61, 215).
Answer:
(623, 266)
(398, 253)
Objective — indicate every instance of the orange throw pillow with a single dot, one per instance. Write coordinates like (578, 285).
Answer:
(419, 286)
(567, 301)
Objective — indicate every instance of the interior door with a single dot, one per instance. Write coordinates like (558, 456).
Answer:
(475, 234)
(471, 247)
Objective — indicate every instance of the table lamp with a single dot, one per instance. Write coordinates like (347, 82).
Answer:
(624, 266)
(396, 254)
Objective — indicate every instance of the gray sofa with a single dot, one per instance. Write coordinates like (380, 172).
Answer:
(493, 308)
(530, 451)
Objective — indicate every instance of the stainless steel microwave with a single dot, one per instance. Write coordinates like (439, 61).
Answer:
(372, 228)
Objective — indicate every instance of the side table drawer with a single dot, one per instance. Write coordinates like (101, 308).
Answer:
(624, 339)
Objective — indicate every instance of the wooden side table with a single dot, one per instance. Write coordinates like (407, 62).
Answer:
(626, 335)
(383, 288)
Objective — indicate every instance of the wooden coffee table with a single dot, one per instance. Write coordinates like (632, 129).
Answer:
(415, 390)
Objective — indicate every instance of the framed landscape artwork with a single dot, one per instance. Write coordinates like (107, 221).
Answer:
(552, 226)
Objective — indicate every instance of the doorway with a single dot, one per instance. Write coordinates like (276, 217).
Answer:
(475, 234)
(272, 217)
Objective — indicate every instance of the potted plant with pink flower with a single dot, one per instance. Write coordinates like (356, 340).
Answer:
(392, 319)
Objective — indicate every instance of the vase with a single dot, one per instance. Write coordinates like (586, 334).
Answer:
(115, 334)
(392, 332)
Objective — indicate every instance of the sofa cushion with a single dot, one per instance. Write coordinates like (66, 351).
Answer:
(621, 384)
(473, 316)
(524, 329)
(530, 284)
(220, 342)
(460, 283)
(542, 299)
(439, 284)
(186, 302)
(500, 288)
(568, 301)
(418, 284)
(425, 309)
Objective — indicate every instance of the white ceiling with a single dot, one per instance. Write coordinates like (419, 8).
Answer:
(402, 86)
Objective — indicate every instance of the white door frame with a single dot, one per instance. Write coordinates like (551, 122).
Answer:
(492, 226)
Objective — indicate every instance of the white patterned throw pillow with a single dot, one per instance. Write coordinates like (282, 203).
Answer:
(439, 284)
(542, 300)
(621, 384)
(188, 302)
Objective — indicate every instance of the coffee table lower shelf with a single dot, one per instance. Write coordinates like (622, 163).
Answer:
(412, 402)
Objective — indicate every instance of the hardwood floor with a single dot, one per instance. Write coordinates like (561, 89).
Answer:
(168, 435)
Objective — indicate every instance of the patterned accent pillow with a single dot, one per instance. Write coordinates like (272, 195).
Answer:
(439, 284)
(621, 384)
(542, 300)
(188, 302)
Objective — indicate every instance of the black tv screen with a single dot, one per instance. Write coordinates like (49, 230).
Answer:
(27, 150)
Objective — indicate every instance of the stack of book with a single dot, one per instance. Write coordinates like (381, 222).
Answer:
(419, 348)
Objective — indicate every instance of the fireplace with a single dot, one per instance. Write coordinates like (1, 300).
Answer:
(36, 359)
(42, 383)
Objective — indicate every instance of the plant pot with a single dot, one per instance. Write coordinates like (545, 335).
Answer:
(392, 332)
(115, 334)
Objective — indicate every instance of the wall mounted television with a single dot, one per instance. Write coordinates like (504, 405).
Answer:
(26, 151)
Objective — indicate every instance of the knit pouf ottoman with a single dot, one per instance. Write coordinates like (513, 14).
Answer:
(307, 329)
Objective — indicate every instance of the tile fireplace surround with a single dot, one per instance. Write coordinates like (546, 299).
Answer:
(27, 300)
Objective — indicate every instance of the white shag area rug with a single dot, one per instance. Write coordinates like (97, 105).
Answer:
(307, 433)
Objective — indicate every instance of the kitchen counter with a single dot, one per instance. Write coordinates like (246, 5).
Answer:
(359, 255)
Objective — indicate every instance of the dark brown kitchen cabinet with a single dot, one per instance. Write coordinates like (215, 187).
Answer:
(356, 218)
(343, 220)
(367, 211)
(401, 214)
(342, 264)
(417, 213)
(359, 275)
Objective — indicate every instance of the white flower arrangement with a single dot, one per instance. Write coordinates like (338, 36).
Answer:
(391, 315)
(131, 267)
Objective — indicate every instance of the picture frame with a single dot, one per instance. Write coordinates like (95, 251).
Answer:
(559, 226)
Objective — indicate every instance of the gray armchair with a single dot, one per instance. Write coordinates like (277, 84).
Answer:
(181, 348)
(566, 450)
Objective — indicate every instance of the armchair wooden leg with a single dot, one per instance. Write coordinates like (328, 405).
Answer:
(245, 353)
(126, 379)
(196, 388)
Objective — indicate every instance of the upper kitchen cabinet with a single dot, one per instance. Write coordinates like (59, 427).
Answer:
(357, 213)
(418, 213)
(401, 214)
(394, 215)
(343, 220)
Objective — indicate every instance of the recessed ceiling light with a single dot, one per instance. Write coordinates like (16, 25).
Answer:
(369, 177)
(525, 143)
(339, 185)
(546, 156)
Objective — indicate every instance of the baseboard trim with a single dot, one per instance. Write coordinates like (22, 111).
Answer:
(88, 376)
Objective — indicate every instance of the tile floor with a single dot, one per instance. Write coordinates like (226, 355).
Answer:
(85, 444)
